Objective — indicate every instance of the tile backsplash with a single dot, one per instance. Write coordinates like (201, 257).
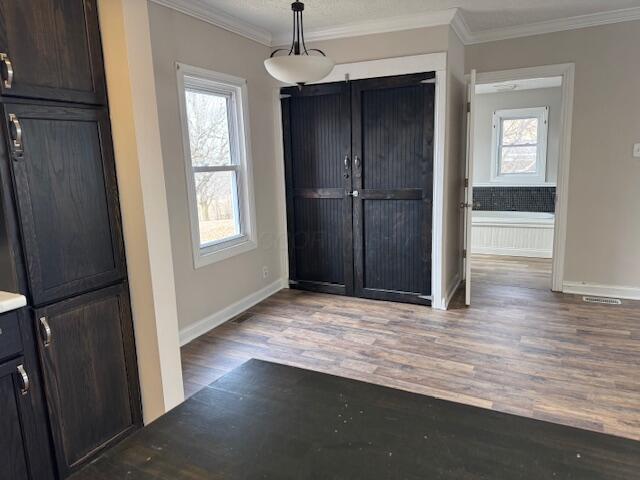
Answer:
(514, 199)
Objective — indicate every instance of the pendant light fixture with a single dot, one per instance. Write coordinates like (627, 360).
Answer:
(299, 66)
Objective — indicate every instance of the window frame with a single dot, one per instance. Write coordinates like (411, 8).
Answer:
(235, 89)
(538, 178)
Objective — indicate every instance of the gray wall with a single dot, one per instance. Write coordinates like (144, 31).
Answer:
(180, 38)
(603, 229)
(488, 103)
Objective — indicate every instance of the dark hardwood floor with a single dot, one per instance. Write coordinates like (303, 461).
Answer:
(270, 421)
(518, 350)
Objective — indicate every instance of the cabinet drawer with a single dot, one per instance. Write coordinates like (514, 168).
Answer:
(10, 341)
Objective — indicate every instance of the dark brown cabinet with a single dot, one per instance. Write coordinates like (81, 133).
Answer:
(24, 440)
(87, 351)
(50, 49)
(65, 185)
(61, 245)
(14, 407)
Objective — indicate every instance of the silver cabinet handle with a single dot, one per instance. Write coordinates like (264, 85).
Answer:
(356, 161)
(354, 194)
(346, 161)
(25, 380)
(46, 331)
(8, 81)
(16, 137)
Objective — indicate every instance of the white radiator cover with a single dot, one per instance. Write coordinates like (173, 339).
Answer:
(517, 234)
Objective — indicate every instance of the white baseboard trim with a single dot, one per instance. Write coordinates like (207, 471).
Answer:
(513, 252)
(452, 288)
(583, 288)
(201, 327)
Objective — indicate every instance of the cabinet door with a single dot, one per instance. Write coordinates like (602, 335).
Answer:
(13, 409)
(50, 49)
(65, 184)
(90, 375)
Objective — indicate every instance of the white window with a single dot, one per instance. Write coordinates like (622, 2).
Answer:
(215, 135)
(519, 147)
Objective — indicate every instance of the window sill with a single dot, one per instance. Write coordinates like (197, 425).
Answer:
(204, 257)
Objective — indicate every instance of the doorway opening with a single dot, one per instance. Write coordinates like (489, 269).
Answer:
(518, 143)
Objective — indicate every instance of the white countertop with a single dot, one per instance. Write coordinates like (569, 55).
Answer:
(11, 301)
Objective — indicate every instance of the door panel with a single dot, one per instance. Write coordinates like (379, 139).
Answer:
(393, 233)
(67, 200)
(318, 174)
(53, 48)
(393, 154)
(90, 373)
(13, 452)
(392, 132)
(319, 241)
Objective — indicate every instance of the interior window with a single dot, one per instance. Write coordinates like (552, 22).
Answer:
(520, 145)
(217, 164)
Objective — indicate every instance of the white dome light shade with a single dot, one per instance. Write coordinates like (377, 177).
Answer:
(299, 69)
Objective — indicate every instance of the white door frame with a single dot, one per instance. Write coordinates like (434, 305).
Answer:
(468, 186)
(567, 72)
(432, 62)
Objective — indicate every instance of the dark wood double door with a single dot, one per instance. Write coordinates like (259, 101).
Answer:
(359, 174)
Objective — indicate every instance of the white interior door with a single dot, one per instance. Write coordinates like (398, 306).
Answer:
(468, 186)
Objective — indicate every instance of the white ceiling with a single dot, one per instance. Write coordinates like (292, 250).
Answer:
(274, 16)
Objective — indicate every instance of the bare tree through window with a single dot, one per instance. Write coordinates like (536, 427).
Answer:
(209, 139)
(519, 145)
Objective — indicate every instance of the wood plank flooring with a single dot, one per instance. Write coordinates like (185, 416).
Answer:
(515, 271)
(525, 351)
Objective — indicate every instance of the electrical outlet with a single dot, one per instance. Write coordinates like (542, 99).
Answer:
(636, 150)
(265, 272)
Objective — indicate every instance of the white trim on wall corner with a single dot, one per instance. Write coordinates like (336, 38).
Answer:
(438, 274)
(598, 290)
(205, 12)
(551, 26)
(216, 319)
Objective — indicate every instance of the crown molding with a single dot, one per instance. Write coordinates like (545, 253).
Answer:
(205, 12)
(551, 26)
(369, 27)
(454, 17)
(461, 28)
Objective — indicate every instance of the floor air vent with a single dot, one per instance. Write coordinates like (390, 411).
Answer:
(602, 300)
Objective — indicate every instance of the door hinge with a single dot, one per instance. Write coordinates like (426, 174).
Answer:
(466, 183)
(468, 107)
(464, 253)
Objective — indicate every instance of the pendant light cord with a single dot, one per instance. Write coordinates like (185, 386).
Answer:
(297, 39)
